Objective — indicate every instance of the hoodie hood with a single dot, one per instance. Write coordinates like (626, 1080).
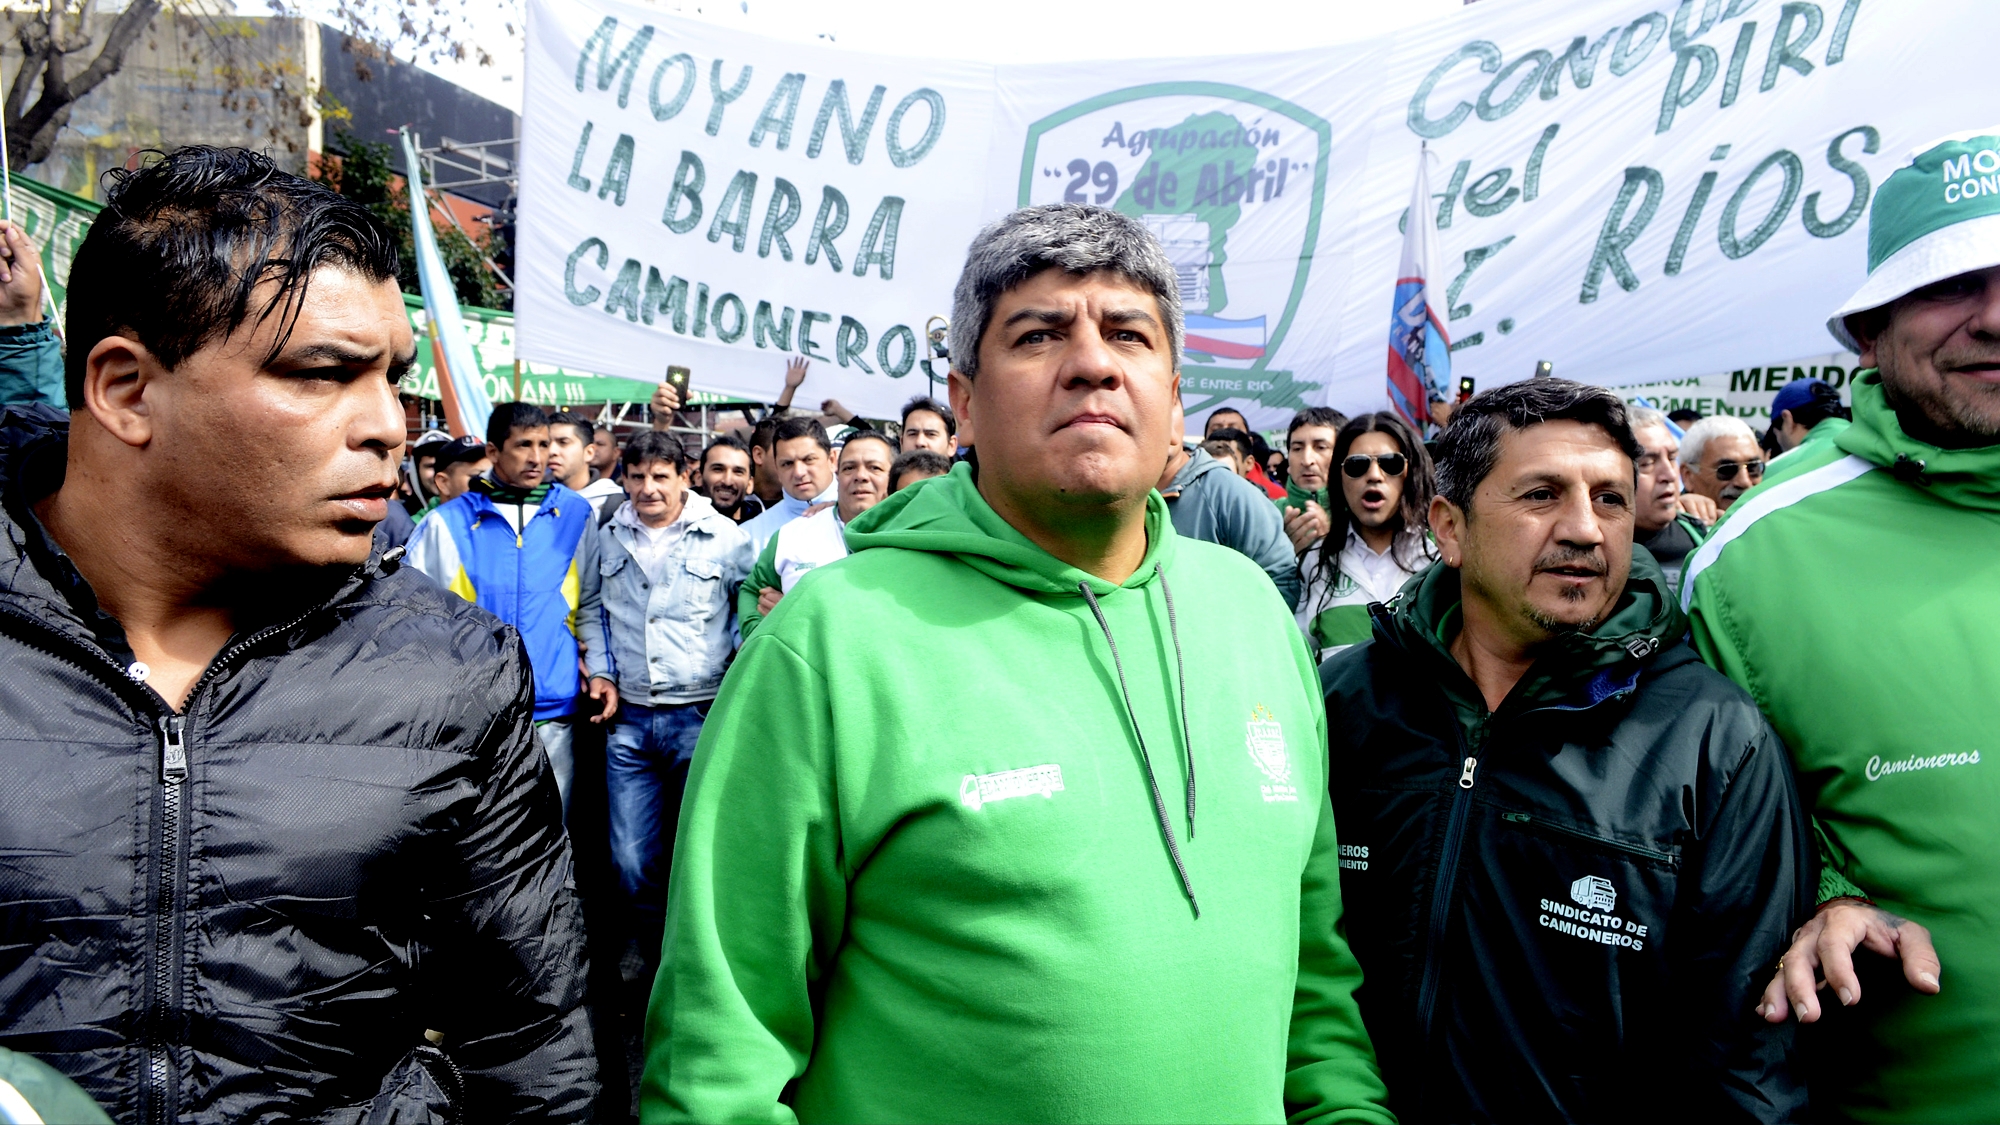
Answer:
(1965, 478)
(1199, 464)
(1574, 672)
(947, 515)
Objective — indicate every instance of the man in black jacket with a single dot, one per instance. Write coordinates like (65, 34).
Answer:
(274, 808)
(1570, 851)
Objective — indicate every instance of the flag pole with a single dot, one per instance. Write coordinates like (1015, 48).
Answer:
(7, 213)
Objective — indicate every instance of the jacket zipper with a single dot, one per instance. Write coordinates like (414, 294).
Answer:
(1528, 823)
(1447, 874)
(173, 774)
(173, 771)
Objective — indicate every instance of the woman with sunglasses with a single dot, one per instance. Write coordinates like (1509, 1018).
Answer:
(1378, 536)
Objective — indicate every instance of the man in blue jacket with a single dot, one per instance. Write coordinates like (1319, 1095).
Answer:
(523, 548)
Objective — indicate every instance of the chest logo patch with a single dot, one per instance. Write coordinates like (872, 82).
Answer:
(1265, 737)
(1595, 892)
(981, 789)
(1591, 919)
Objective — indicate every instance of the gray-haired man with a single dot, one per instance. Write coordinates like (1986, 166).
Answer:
(1019, 923)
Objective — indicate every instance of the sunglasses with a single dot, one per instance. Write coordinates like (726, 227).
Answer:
(1726, 470)
(1392, 464)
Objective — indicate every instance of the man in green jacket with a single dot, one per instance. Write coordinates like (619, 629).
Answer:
(1856, 595)
(874, 918)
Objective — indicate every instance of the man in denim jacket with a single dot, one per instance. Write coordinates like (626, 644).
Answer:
(669, 565)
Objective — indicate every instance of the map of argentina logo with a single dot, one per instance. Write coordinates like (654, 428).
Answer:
(1266, 739)
(1232, 181)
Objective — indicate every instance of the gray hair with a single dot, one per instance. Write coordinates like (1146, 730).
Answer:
(1695, 442)
(1076, 238)
(1639, 417)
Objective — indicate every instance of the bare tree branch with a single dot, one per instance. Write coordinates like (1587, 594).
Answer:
(32, 129)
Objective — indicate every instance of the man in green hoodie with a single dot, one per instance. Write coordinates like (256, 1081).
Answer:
(1856, 594)
(1019, 922)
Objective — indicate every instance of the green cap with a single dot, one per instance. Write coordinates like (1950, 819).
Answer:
(1937, 217)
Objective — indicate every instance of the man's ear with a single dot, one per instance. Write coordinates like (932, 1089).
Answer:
(492, 452)
(1448, 526)
(1867, 328)
(121, 389)
(959, 389)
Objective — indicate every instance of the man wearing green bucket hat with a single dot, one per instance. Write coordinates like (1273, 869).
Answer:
(1888, 715)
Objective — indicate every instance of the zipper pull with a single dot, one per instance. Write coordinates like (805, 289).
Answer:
(173, 749)
(1465, 776)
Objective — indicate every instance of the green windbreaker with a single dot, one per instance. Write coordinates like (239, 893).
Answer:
(921, 874)
(1856, 595)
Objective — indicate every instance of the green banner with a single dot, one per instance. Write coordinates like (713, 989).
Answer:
(57, 222)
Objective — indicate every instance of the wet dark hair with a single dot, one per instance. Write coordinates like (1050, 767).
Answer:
(655, 445)
(761, 433)
(1411, 546)
(1470, 446)
(175, 258)
(510, 416)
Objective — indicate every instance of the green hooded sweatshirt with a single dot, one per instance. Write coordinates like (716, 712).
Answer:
(921, 873)
(1856, 596)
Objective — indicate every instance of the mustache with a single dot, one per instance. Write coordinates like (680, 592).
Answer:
(1573, 558)
(1951, 359)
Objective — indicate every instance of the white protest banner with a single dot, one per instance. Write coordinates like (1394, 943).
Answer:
(1639, 191)
(1746, 392)
(695, 195)
(1645, 191)
(1234, 164)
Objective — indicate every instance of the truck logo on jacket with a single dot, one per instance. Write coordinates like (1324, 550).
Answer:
(1593, 892)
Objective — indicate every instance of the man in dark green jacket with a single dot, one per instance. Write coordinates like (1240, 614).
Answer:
(1571, 850)
(1856, 595)
(1016, 920)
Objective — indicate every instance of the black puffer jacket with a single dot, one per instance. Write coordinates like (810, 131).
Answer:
(252, 911)
(1565, 909)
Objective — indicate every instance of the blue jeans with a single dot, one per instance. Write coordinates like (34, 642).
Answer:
(646, 758)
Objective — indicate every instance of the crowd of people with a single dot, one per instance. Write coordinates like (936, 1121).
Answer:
(1557, 760)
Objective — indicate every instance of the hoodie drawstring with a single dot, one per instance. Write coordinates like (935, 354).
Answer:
(1180, 679)
(1146, 758)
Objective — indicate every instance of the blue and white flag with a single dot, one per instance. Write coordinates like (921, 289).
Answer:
(463, 388)
(1419, 349)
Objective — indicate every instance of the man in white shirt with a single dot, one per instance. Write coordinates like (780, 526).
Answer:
(1379, 536)
(807, 544)
(804, 459)
(669, 570)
